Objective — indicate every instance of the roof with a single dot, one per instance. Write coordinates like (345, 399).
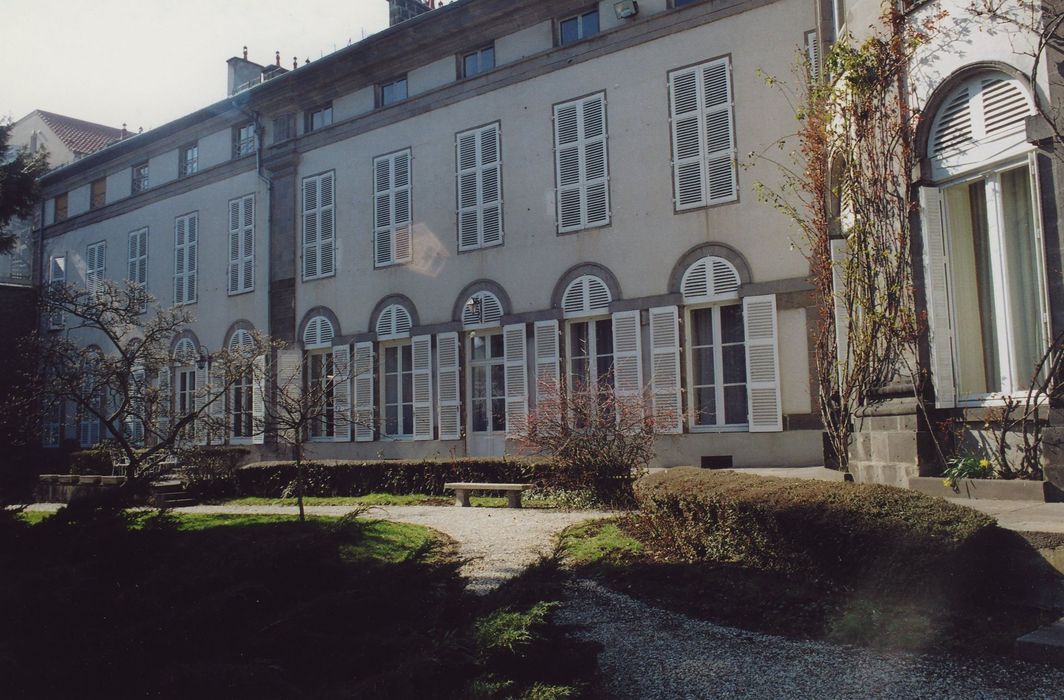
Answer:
(78, 135)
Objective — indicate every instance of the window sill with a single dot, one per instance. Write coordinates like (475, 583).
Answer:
(319, 277)
(744, 428)
(240, 441)
(242, 292)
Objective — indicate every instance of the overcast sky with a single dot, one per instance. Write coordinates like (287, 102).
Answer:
(148, 62)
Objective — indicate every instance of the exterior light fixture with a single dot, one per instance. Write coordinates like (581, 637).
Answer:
(625, 9)
(204, 357)
(474, 307)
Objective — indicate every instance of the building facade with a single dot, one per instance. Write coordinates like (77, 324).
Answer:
(473, 202)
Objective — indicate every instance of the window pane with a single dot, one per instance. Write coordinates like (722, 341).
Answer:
(570, 30)
(731, 324)
(702, 326)
(407, 386)
(703, 366)
(498, 414)
(590, 25)
(734, 364)
(604, 337)
(578, 344)
(1021, 257)
(391, 360)
(391, 388)
(480, 382)
(604, 369)
(478, 347)
(487, 58)
(735, 405)
(407, 351)
(498, 380)
(496, 345)
(469, 65)
(391, 420)
(705, 406)
(480, 416)
(578, 373)
(408, 419)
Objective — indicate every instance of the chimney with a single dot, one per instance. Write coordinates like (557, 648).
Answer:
(241, 72)
(402, 10)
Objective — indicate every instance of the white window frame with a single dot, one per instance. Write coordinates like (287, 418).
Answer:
(241, 245)
(477, 195)
(592, 354)
(244, 140)
(139, 178)
(397, 346)
(393, 209)
(581, 32)
(472, 365)
(186, 255)
(571, 157)
(718, 371)
(321, 429)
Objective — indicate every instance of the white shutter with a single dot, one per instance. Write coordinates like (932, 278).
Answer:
(939, 326)
(180, 243)
(1039, 228)
(258, 401)
(839, 255)
(812, 55)
(327, 225)
(235, 234)
(95, 257)
(479, 185)
(514, 355)
(665, 369)
(762, 364)
(290, 386)
(447, 385)
(216, 395)
(703, 135)
(342, 393)
(581, 163)
(191, 260)
(628, 361)
(363, 391)
(164, 408)
(199, 406)
(392, 209)
(319, 226)
(548, 358)
(137, 268)
(242, 244)
(422, 354)
(185, 244)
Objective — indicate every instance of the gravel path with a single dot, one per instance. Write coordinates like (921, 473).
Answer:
(651, 653)
(498, 543)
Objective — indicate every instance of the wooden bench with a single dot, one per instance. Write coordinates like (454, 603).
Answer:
(462, 489)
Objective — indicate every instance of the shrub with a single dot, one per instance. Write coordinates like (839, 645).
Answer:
(358, 478)
(95, 460)
(209, 472)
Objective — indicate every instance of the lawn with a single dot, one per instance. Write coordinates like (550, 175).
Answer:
(389, 499)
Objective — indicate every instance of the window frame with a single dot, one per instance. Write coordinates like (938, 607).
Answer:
(244, 144)
(98, 193)
(397, 346)
(488, 361)
(323, 109)
(325, 425)
(479, 52)
(592, 355)
(580, 18)
(689, 384)
(392, 82)
(139, 178)
(61, 213)
(188, 160)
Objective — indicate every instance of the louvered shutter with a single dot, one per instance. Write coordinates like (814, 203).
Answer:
(392, 209)
(363, 390)
(490, 153)
(342, 392)
(56, 279)
(447, 385)
(95, 257)
(812, 55)
(939, 325)
(762, 364)
(516, 375)
(290, 387)
(216, 395)
(235, 236)
(199, 406)
(1039, 228)
(422, 356)
(137, 268)
(581, 167)
(134, 419)
(164, 398)
(548, 376)
(479, 182)
(258, 401)
(327, 226)
(247, 244)
(180, 244)
(628, 362)
(311, 227)
(191, 258)
(665, 369)
(839, 255)
(703, 135)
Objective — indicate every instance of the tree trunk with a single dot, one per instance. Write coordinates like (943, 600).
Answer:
(297, 450)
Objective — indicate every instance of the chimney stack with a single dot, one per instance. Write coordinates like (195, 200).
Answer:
(402, 10)
(241, 72)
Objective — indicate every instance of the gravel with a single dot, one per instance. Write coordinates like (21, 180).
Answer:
(652, 653)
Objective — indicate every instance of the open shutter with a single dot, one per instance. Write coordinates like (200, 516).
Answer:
(839, 254)
(247, 244)
(402, 212)
(258, 401)
(516, 365)
(235, 235)
(628, 361)
(1039, 229)
(180, 251)
(422, 354)
(939, 326)
(447, 385)
(548, 358)
(812, 55)
(311, 226)
(382, 211)
(762, 364)
(191, 259)
(199, 406)
(216, 395)
(665, 369)
(363, 390)
(326, 226)
(290, 387)
(342, 392)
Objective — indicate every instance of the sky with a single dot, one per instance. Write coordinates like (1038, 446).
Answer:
(148, 62)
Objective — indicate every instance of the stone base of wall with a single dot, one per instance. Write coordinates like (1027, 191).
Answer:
(996, 489)
(890, 444)
(64, 488)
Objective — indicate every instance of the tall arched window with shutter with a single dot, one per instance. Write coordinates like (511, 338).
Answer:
(588, 334)
(318, 376)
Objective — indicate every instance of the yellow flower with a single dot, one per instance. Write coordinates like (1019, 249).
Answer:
(984, 463)
(947, 482)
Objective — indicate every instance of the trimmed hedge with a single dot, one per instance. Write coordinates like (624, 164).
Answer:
(357, 478)
(860, 536)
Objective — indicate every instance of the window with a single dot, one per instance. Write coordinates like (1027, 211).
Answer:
(56, 277)
(137, 248)
(590, 353)
(478, 61)
(573, 29)
(581, 167)
(479, 172)
(241, 393)
(186, 237)
(487, 382)
(717, 371)
(320, 386)
(140, 178)
(391, 92)
(185, 396)
(53, 425)
(398, 379)
(242, 244)
(243, 140)
(95, 265)
(703, 138)
(188, 160)
(319, 235)
(681, 3)
(60, 207)
(392, 209)
(284, 127)
(317, 118)
(98, 193)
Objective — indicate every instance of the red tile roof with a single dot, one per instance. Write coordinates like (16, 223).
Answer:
(78, 135)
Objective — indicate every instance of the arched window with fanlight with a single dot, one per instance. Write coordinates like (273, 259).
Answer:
(486, 378)
(397, 371)
(985, 275)
(189, 381)
(319, 370)
(245, 404)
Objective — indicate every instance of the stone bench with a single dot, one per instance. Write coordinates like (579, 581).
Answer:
(462, 489)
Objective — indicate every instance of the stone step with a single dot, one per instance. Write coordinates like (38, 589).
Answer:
(178, 503)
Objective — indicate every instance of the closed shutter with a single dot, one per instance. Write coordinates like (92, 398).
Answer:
(95, 257)
(548, 376)
(812, 55)
(839, 255)
(392, 209)
(289, 390)
(665, 369)
(164, 398)
(216, 394)
(134, 420)
(191, 259)
(186, 237)
(137, 268)
(479, 176)
(342, 392)
(628, 363)
(447, 385)
(258, 401)
(319, 226)
(762, 364)
(327, 225)
(939, 326)
(581, 163)
(703, 135)
(514, 355)
(422, 353)
(363, 390)
(242, 244)
(199, 406)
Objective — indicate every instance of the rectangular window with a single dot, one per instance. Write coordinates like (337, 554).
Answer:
(61, 207)
(318, 118)
(717, 367)
(186, 243)
(137, 269)
(242, 244)
(318, 226)
(478, 61)
(95, 265)
(478, 162)
(284, 127)
(398, 378)
(53, 425)
(243, 140)
(703, 135)
(392, 209)
(185, 397)
(57, 277)
(188, 161)
(681, 3)
(487, 384)
(590, 353)
(98, 193)
(320, 384)
(581, 167)
(140, 178)
(391, 92)
(241, 411)
(578, 27)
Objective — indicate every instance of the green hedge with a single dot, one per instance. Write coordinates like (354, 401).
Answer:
(357, 478)
(96, 460)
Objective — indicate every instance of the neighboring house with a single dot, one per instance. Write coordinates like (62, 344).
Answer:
(483, 196)
(990, 186)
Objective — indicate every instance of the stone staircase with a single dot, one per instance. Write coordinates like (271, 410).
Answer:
(170, 493)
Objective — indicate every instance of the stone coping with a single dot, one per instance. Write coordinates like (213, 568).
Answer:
(993, 489)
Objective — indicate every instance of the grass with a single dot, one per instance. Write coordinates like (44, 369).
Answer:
(599, 542)
(389, 499)
(32, 517)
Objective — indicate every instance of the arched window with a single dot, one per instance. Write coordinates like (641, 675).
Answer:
(241, 340)
(245, 415)
(185, 352)
(318, 333)
(710, 279)
(587, 295)
(482, 310)
(394, 322)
